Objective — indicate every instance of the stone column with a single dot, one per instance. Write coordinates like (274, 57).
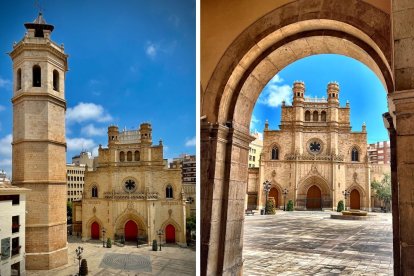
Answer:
(402, 100)
(388, 122)
(224, 163)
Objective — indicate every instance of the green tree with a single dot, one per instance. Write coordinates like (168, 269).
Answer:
(270, 207)
(191, 228)
(383, 189)
(69, 212)
(289, 206)
(341, 206)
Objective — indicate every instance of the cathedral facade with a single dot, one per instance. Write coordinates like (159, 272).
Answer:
(132, 194)
(315, 159)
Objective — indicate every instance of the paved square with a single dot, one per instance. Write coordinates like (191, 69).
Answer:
(127, 260)
(310, 243)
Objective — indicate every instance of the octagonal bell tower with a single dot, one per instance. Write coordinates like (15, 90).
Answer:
(39, 145)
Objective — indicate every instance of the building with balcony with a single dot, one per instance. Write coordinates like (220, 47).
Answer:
(379, 152)
(12, 227)
(75, 174)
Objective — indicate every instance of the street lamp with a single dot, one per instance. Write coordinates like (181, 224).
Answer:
(285, 191)
(79, 252)
(160, 233)
(266, 188)
(103, 236)
(346, 193)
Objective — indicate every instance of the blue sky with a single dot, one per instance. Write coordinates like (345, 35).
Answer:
(358, 84)
(129, 62)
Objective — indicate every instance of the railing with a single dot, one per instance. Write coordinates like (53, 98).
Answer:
(307, 157)
(135, 196)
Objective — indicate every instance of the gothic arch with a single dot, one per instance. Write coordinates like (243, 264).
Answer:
(279, 151)
(127, 215)
(174, 190)
(280, 37)
(318, 181)
(173, 223)
(89, 225)
(357, 187)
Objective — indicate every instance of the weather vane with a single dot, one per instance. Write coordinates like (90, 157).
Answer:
(38, 6)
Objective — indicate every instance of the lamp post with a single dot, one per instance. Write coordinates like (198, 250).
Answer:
(266, 188)
(346, 193)
(160, 233)
(79, 252)
(285, 191)
(103, 236)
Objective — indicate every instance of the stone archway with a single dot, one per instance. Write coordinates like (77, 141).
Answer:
(281, 36)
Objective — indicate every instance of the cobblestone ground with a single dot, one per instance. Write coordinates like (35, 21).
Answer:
(127, 260)
(310, 243)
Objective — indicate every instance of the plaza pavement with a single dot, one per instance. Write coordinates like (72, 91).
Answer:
(127, 260)
(311, 243)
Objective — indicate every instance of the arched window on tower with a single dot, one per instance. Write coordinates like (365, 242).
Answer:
(323, 116)
(169, 192)
(129, 156)
(136, 156)
(122, 156)
(55, 80)
(315, 116)
(19, 79)
(307, 115)
(94, 191)
(355, 155)
(37, 76)
(275, 153)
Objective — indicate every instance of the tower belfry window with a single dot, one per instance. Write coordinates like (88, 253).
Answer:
(307, 115)
(169, 192)
(275, 153)
(355, 155)
(37, 76)
(55, 80)
(19, 79)
(315, 116)
(323, 116)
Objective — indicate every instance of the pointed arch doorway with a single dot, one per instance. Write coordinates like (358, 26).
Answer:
(170, 234)
(131, 231)
(355, 199)
(314, 198)
(95, 231)
(273, 193)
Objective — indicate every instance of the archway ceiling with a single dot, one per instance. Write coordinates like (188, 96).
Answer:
(282, 47)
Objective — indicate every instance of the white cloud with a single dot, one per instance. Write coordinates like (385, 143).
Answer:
(5, 146)
(254, 123)
(6, 154)
(151, 49)
(95, 151)
(275, 93)
(91, 130)
(5, 83)
(86, 112)
(78, 144)
(191, 142)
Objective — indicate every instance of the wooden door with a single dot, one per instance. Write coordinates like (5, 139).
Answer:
(170, 234)
(273, 193)
(95, 231)
(314, 198)
(131, 231)
(355, 200)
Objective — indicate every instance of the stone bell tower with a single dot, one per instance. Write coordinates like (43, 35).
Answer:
(39, 145)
